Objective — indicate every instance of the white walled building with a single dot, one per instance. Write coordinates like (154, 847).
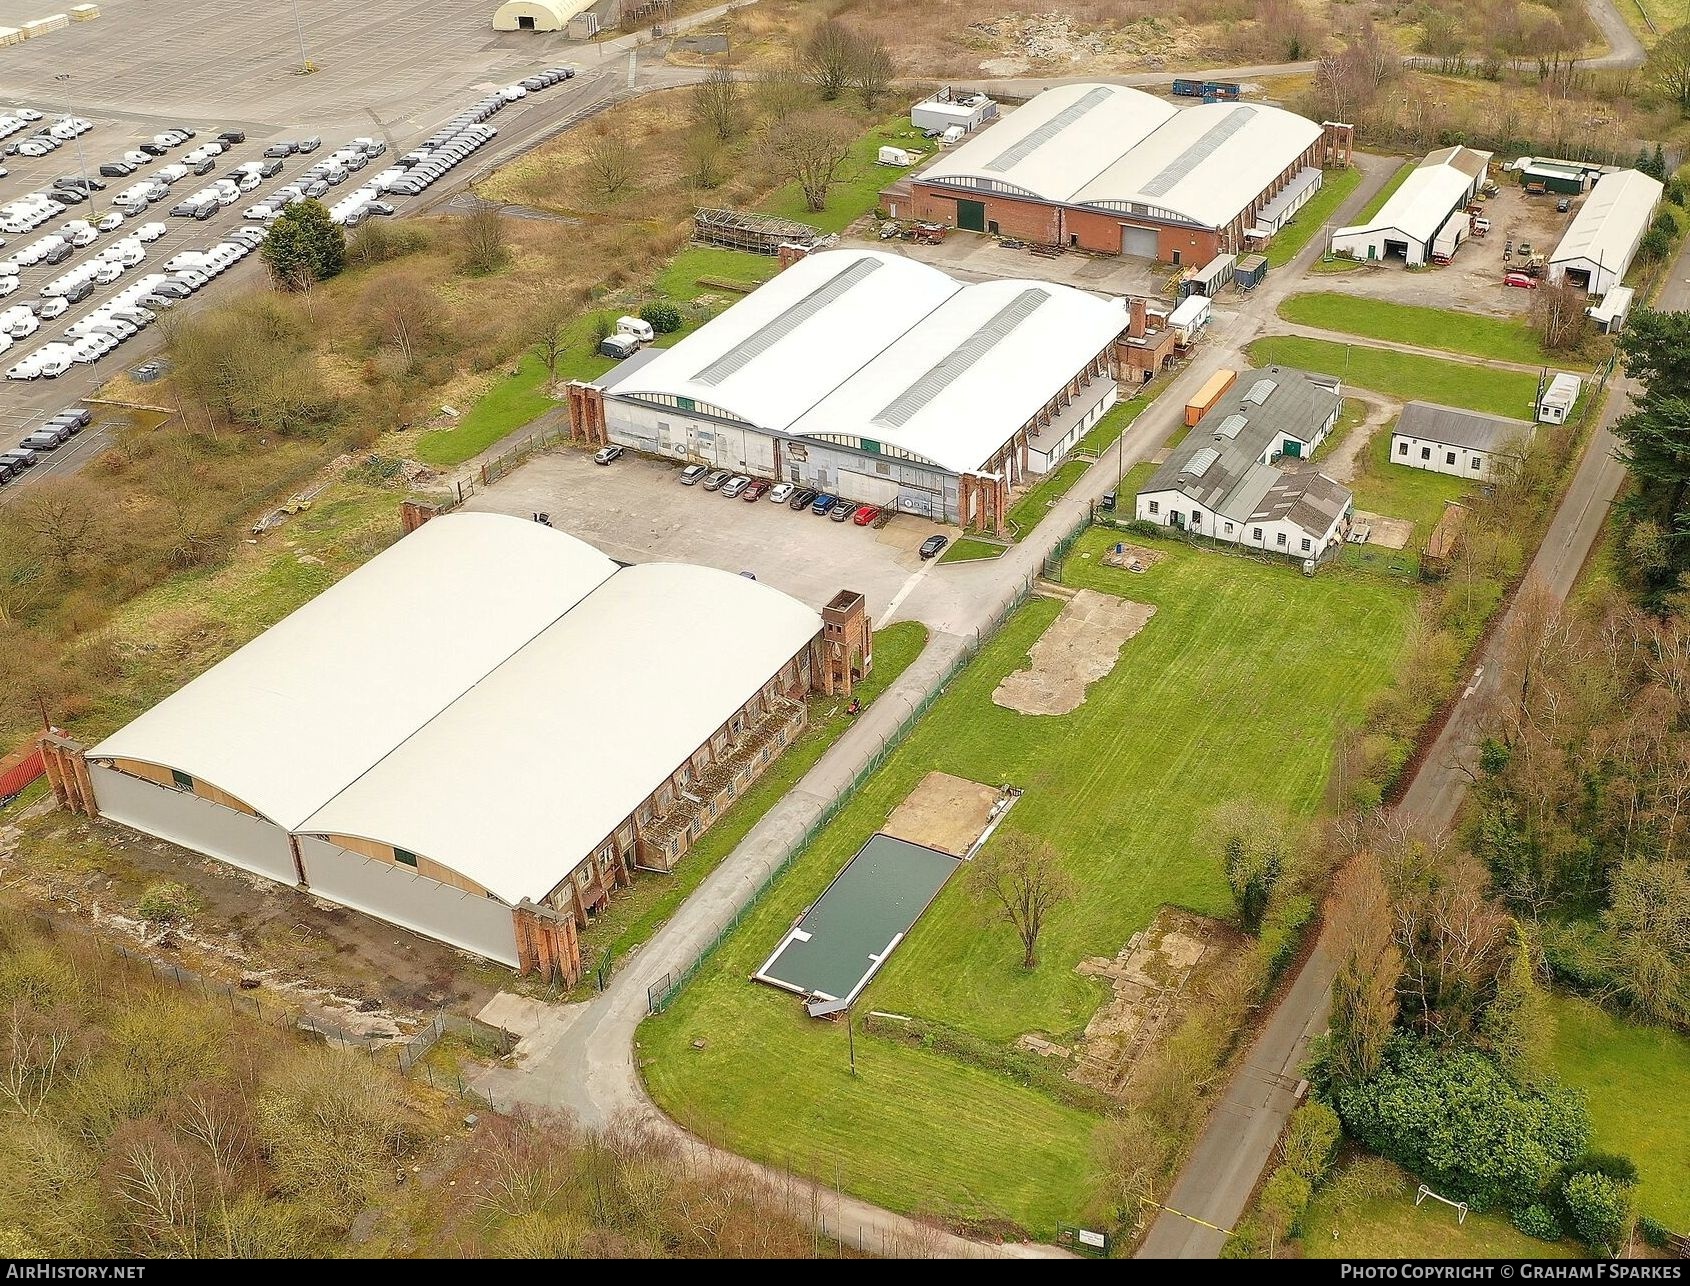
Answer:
(1464, 444)
(1596, 251)
(1409, 222)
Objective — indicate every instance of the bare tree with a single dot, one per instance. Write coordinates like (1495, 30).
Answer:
(551, 340)
(781, 90)
(65, 517)
(1023, 877)
(830, 57)
(707, 158)
(1364, 990)
(1558, 314)
(482, 242)
(608, 159)
(810, 149)
(718, 105)
(872, 72)
(1667, 72)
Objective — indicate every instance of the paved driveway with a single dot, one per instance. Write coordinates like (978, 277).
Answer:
(637, 511)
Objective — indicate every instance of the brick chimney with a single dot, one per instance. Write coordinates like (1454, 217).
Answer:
(790, 253)
(1136, 324)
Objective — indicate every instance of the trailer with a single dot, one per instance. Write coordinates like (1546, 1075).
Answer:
(1210, 91)
(1189, 318)
(1214, 388)
(1210, 279)
(1250, 271)
(1450, 236)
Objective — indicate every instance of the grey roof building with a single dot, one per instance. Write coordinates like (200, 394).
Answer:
(1225, 479)
(1454, 427)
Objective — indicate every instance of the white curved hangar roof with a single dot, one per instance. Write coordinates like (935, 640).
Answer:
(1612, 221)
(770, 358)
(1115, 148)
(547, 15)
(307, 707)
(862, 344)
(529, 772)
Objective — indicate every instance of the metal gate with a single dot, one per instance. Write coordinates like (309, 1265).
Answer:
(971, 215)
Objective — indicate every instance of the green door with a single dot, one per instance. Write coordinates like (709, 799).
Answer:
(971, 216)
(1293, 448)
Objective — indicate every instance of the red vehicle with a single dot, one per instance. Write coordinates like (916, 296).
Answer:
(756, 489)
(1523, 280)
(866, 515)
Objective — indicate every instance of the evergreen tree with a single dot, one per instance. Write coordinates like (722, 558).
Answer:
(305, 246)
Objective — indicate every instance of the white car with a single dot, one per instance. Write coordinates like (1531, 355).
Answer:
(84, 236)
(21, 325)
(11, 267)
(107, 273)
(87, 351)
(6, 341)
(28, 369)
(37, 147)
(26, 114)
(259, 211)
(55, 360)
(51, 307)
(33, 253)
(110, 222)
(8, 286)
(138, 158)
(148, 233)
(187, 259)
(174, 171)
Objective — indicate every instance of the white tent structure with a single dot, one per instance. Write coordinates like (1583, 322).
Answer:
(537, 15)
(1597, 249)
(453, 729)
(1408, 223)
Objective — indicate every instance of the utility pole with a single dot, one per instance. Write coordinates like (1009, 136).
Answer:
(851, 1037)
(64, 79)
(299, 30)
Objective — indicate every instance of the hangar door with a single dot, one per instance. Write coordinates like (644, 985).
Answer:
(398, 894)
(182, 817)
(868, 488)
(1141, 242)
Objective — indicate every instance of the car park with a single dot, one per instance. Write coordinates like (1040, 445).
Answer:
(734, 485)
(692, 474)
(715, 478)
(804, 498)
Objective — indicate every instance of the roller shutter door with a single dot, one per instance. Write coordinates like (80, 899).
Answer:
(868, 488)
(398, 894)
(182, 817)
(1141, 242)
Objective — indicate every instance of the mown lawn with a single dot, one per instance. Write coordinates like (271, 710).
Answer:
(1239, 686)
(966, 549)
(679, 279)
(1027, 512)
(1407, 376)
(861, 179)
(1289, 241)
(1384, 194)
(1391, 1226)
(1444, 328)
(1397, 491)
(1634, 1076)
(1116, 421)
(638, 913)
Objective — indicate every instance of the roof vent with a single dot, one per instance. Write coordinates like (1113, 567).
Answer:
(1200, 461)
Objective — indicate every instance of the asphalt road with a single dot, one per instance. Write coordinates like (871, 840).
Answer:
(1238, 1142)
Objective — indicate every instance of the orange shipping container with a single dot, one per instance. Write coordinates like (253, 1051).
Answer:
(1208, 395)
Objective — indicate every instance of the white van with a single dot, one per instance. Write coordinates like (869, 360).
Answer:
(638, 328)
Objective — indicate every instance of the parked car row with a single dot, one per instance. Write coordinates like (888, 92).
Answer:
(794, 497)
(49, 437)
(46, 139)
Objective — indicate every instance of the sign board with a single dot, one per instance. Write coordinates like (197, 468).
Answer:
(1097, 1240)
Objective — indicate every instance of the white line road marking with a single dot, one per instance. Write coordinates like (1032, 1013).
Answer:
(901, 595)
(1473, 686)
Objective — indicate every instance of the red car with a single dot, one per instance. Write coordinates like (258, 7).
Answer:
(865, 515)
(1523, 280)
(755, 490)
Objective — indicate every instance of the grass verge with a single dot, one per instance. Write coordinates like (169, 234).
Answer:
(639, 912)
(1116, 421)
(1404, 375)
(1385, 193)
(1443, 328)
(966, 549)
(1027, 512)
(1289, 241)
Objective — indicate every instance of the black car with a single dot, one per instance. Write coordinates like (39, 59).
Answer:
(151, 148)
(932, 545)
(59, 253)
(269, 169)
(117, 169)
(205, 167)
(233, 136)
(67, 196)
(81, 182)
(206, 210)
(278, 150)
(803, 500)
(19, 458)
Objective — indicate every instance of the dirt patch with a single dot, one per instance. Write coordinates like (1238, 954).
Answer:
(1152, 984)
(1079, 648)
(947, 813)
(1387, 533)
(1343, 462)
(1132, 558)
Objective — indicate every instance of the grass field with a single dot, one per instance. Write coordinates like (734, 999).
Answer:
(1385, 193)
(1397, 491)
(1444, 328)
(1393, 1227)
(1239, 685)
(1404, 375)
(1288, 242)
(1633, 1075)
(636, 914)
(967, 549)
(1029, 511)
(679, 279)
(1116, 421)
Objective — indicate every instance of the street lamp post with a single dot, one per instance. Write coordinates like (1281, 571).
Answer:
(299, 30)
(81, 163)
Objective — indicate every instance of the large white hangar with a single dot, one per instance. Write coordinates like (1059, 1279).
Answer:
(880, 379)
(1115, 170)
(469, 736)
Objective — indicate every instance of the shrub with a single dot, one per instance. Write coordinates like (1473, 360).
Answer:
(1621, 1169)
(1285, 1199)
(1654, 1232)
(1282, 931)
(167, 903)
(1599, 1208)
(664, 318)
(1454, 1118)
(1538, 1220)
(1311, 1140)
